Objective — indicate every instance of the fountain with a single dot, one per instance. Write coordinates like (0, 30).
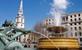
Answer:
(8, 32)
(57, 39)
(60, 42)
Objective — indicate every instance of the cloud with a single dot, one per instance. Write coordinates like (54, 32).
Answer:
(61, 4)
(58, 8)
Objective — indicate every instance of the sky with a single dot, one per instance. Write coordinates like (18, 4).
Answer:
(34, 10)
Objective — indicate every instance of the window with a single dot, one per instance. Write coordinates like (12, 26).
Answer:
(66, 18)
(35, 46)
(52, 22)
(71, 16)
(71, 20)
(75, 33)
(75, 28)
(79, 28)
(79, 23)
(75, 23)
(25, 46)
(49, 20)
(80, 39)
(80, 33)
(80, 44)
(71, 28)
(75, 19)
(78, 14)
(74, 15)
(70, 23)
(63, 18)
(52, 19)
(17, 38)
(79, 18)
(71, 34)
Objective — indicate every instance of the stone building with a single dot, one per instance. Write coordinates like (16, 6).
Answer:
(73, 22)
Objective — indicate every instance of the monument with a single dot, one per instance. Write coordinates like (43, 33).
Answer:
(8, 34)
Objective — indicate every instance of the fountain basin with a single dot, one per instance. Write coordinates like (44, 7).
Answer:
(56, 29)
(58, 43)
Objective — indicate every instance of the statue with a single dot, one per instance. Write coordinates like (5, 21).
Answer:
(8, 32)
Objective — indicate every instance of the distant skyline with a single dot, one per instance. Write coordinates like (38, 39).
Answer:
(34, 10)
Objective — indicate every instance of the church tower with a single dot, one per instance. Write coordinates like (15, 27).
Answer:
(20, 16)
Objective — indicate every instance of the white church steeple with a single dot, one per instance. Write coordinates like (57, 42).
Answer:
(20, 17)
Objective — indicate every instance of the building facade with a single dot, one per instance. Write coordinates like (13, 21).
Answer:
(49, 21)
(73, 24)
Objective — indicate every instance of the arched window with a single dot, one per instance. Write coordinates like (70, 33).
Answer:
(25, 46)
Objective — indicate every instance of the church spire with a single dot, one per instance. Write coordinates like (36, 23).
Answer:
(20, 10)
(21, 4)
(20, 17)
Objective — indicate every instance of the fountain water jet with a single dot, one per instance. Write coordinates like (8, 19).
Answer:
(58, 8)
(45, 37)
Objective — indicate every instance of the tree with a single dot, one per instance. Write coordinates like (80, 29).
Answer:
(38, 27)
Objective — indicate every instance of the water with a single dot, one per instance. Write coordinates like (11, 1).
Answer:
(45, 37)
